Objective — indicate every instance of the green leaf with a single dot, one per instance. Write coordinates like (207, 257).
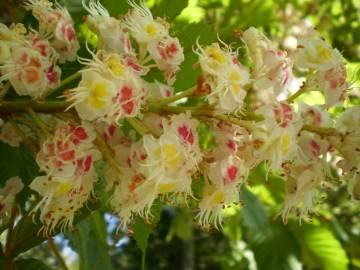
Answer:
(207, 139)
(75, 9)
(18, 161)
(141, 235)
(168, 9)
(320, 247)
(188, 34)
(274, 245)
(116, 7)
(181, 225)
(26, 233)
(90, 242)
(254, 214)
(31, 264)
(276, 248)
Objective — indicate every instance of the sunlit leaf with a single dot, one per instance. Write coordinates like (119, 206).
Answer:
(89, 239)
(322, 245)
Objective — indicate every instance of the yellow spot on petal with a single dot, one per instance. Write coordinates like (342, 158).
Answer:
(98, 92)
(216, 54)
(166, 187)
(63, 188)
(115, 66)
(168, 154)
(171, 155)
(151, 30)
(322, 54)
(285, 143)
(234, 76)
(218, 197)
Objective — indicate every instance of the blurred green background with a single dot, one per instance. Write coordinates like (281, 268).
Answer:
(254, 236)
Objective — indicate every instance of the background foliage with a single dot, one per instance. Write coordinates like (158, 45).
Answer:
(254, 236)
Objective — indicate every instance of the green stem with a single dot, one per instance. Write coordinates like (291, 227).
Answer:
(138, 126)
(64, 82)
(298, 93)
(165, 101)
(45, 129)
(46, 107)
(57, 253)
(107, 152)
(240, 122)
(321, 130)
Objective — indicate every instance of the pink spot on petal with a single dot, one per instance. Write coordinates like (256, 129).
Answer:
(231, 173)
(186, 134)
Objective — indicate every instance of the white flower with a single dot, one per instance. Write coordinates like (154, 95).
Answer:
(93, 97)
(133, 195)
(228, 90)
(111, 31)
(110, 89)
(301, 187)
(272, 68)
(225, 76)
(56, 24)
(142, 25)
(349, 121)
(167, 164)
(68, 161)
(168, 56)
(314, 115)
(275, 139)
(275, 72)
(61, 199)
(185, 128)
(257, 44)
(221, 190)
(333, 84)
(31, 68)
(212, 58)
(313, 52)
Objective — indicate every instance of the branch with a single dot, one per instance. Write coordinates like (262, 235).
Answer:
(321, 130)
(165, 101)
(57, 253)
(21, 105)
(138, 126)
(298, 93)
(107, 152)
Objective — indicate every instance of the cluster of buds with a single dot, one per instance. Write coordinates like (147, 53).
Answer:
(67, 159)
